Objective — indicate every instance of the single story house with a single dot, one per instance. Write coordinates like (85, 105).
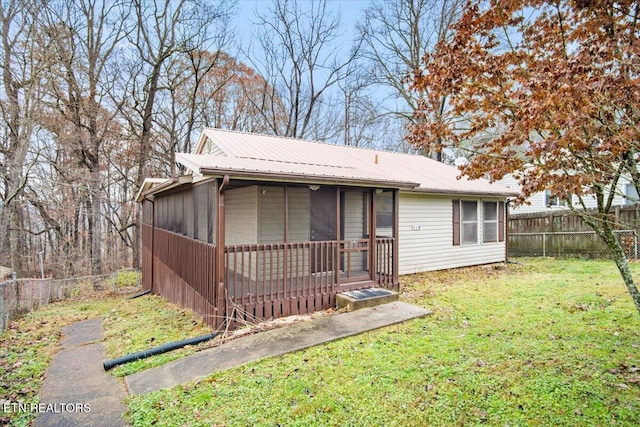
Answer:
(263, 226)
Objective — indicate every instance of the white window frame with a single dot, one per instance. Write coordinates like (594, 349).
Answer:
(551, 202)
(630, 194)
(485, 236)
(463, 236)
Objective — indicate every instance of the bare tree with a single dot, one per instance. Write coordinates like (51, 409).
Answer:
(301, 57)
(85, 36)
(21, 69)
(395, 35)
(160, 31)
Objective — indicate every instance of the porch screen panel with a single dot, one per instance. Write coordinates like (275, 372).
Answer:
(147, 212)
(187, 228)
(384, 214)
(178, 203)
(201, 202)
(212, 198)
(161, 208)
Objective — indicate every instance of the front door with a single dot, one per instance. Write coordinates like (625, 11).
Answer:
(323, 209)
(354, 235)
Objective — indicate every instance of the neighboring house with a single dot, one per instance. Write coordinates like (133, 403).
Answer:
(541, 202)
(263, 226)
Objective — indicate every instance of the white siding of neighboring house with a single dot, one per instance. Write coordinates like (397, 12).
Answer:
(431, 247)
(538, 202)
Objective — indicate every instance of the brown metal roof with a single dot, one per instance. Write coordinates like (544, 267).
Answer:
(278, 158)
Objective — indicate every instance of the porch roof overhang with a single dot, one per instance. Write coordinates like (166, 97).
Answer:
(151, 186)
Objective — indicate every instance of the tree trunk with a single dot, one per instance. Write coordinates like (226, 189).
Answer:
(619, 257)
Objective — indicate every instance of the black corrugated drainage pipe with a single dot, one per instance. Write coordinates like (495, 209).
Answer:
(143, 293)
(109, 364)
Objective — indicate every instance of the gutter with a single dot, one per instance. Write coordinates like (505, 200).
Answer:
(459, 192)
(308, 179)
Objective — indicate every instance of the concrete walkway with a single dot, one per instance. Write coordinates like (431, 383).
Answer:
(76, 389)
(271, 343)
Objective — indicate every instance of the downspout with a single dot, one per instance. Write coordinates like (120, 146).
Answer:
(153, 233)
(506, 231)
(220, 241)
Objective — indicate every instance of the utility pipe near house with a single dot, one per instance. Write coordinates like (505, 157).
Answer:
(109, 364)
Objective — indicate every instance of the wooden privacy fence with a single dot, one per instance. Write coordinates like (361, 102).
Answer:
(623, 218)
(576, 244)
(565, 234)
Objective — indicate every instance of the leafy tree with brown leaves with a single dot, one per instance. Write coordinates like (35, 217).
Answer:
(548, 91)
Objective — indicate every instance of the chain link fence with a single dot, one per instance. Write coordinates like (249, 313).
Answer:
(21, 296)
(577, 244)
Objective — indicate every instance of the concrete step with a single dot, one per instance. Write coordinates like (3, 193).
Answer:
(355, 300)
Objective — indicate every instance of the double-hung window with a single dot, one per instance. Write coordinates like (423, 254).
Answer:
(489, 222)
(469, 222)
(466, 226)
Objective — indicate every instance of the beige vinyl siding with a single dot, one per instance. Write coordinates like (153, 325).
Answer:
(299, 219)
(271, 207)
(271, 214)
(241, 225)
(271, 222)
(431, 247)
(241, 219)
(299, 229)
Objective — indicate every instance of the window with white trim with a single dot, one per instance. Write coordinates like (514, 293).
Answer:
(469, 222)
(630, 194)
(489, 222)
(550, 201)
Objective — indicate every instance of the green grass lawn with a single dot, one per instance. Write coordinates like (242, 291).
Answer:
(543, 342)
(28, 345)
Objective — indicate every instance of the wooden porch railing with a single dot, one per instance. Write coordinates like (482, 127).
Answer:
(385, 276)
(184, 272)
(273, 280)
(279, 279)
(261, 281)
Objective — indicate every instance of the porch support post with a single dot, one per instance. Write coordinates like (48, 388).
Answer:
(286, 213)
(285, 256)
(153, 234)
(220, 242)
(336, 261)
(373, 255)
(396, 232)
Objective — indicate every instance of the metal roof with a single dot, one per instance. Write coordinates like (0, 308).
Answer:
(279, 158)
